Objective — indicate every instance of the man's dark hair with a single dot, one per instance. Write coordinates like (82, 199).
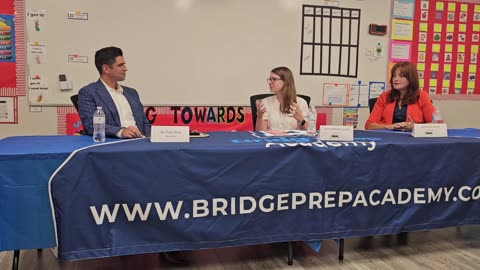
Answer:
(106, 56)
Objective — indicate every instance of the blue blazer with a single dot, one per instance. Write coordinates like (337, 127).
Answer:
(96, 94)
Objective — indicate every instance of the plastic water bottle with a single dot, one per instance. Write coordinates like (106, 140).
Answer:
(437, 117)
(99, 125)
(312, 121)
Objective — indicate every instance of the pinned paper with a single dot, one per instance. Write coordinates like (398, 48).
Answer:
(37, 89)
(77, 58)
(376, 89)
(472, 68)
(78, 15)
(439, 6)
(474, 49)
(451, 6)
(37, 53)
(335, 94)
(450, 28)
(8, 110)
(358, 95)
(402, 30)
(36, 21)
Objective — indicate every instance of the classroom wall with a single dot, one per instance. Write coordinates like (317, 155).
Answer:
(457, 113)
(31, 123)
(205, 52)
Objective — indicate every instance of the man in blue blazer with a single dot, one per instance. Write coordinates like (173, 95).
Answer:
(124, 115)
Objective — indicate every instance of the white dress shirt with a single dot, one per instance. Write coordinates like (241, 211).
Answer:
(123, 107)
(278, 120)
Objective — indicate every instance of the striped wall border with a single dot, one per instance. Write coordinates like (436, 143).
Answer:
(19, 19)
(8, 92)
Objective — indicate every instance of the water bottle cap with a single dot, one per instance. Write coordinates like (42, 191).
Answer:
(99, 107)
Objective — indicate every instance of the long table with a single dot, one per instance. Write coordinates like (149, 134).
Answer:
(26, 164)
(232, 188)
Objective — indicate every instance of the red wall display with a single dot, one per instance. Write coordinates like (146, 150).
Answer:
(7, 67)
(446, 46)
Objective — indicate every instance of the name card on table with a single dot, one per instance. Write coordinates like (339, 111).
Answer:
(336, 133)
(429, 130)
(170, 134)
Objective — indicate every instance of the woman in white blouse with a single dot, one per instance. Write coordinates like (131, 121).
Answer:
(284, 110)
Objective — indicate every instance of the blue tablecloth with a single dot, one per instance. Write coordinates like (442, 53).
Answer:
(242, 188)
(233, 171)
(26, 164)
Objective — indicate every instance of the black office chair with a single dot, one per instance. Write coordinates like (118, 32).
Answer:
(74, 100)
(253, 107)
(371, 103)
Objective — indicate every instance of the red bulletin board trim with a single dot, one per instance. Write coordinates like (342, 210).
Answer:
(8, 92)
(19, 7)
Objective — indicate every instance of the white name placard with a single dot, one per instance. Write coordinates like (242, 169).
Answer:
(170, 134)
(336, 133)
(429, 130)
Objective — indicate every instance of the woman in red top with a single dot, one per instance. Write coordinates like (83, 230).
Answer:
(404, 105)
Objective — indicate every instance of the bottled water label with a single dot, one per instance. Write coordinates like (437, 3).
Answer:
(99, 120)
(311, 129)
(437, 120)
(437, 117)
(99, 125)
(312, 122)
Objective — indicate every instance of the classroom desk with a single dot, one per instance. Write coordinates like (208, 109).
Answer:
(232, 189)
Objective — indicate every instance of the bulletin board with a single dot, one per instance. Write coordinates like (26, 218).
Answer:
(186, 52)
(445, 46)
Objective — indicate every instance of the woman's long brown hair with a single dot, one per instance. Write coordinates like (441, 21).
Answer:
(410, 72)
(288, 90)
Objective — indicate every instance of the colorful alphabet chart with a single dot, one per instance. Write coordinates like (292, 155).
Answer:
(7, 39)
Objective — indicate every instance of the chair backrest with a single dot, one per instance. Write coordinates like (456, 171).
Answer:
(253, 106)
(307, 99)
(74, 100)
(371, 103)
